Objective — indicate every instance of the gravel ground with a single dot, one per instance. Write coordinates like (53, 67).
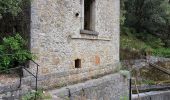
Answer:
(8, 78)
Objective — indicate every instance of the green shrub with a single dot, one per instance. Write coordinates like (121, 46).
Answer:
(133, 44)
(39, 96)
(127, 31)
(164, 52)
(13, 52)
(124, 98)
(150, 40)
(148, 82)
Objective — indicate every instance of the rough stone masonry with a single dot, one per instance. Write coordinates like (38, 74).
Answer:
(74, 39)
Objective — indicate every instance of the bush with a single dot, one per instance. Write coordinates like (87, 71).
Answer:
(13, 52)
(131, 42)
(150, 40)
(40, 95)
(164, 52)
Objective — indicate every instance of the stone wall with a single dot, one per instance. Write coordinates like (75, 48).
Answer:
(57, 42)
(139, 63)
(110, 87)
(142, 69)
(53, 80)
(155, 95)
(60, 79)
(13, 90)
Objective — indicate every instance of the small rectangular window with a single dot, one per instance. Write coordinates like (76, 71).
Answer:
(89, 14)
(78, 63)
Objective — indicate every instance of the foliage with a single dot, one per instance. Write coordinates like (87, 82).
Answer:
(164, 52)
(39, 96)
(122, 12)
(148, 82)
(13, 52)
(132, 47)
(141, 43)
(150, 40)
(149, 17)
(15, 21)
(125, 73)
(147, 14)
(10, 6)
(124, 98)
(128, 40)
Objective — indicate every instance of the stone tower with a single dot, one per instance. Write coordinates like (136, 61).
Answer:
(75, 39)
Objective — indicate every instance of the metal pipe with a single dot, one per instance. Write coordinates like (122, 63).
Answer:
(30, 72)
(130, 85)
(36, 88)
(69, 93)
(20, 79)
(36, 85)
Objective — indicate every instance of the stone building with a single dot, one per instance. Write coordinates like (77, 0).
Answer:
(75, 39)
(76, 42)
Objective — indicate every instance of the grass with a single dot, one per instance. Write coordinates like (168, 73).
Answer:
(164, 52)
(41, 95)
(131, 47)
(133, 44)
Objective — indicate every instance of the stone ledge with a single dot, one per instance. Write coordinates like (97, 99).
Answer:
(89, 32)
(85, 38)
(153, 95)
(94, 83)
(151, 87)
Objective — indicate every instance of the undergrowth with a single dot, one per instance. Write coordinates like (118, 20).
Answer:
(40, 95)
(142, 43)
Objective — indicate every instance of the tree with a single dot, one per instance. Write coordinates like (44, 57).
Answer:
(10, 7)
(15, 18)
(122, 12)
(150, 16)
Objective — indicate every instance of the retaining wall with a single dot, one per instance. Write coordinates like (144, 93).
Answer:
(155, 95)
(110, 87)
